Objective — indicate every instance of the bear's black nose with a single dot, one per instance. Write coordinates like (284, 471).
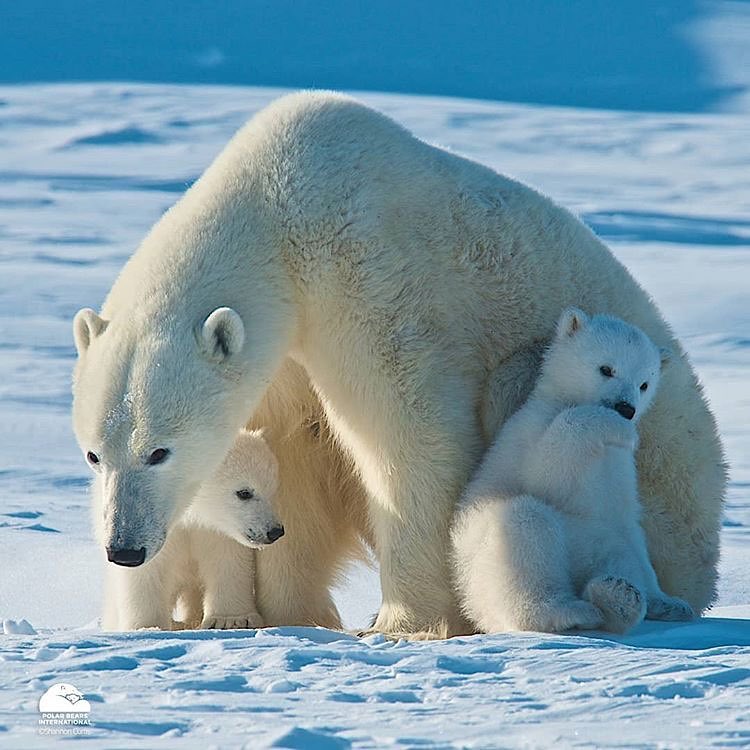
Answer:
(625, 409)
(275, 533)
(130, 558)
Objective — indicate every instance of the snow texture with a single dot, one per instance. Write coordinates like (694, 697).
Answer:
(84, 171)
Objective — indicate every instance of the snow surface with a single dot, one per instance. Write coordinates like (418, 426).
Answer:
(84, 171)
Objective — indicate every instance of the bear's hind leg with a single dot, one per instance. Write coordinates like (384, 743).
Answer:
(511, 566)
(621, 603)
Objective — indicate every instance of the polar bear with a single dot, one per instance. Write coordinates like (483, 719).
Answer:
(203, 561)
(547, 535)
(238, 499)
(415, 291)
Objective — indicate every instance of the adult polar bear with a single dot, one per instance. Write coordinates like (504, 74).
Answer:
(416, 289)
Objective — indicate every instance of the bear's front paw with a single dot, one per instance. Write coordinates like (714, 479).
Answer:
(559, 616)
(397, 622)
(602, 426)
(620, 433)
(232, 622)
(663, 607)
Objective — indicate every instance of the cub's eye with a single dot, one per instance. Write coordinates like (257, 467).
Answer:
(92, 458)
(606, 371)
(159, 456)
(644, 386)
(245, 494)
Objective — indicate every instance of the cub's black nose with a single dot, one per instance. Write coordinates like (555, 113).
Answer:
(275, 533)
(625, 409)
(130, 558)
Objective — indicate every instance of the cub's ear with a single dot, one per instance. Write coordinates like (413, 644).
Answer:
(571, 321)
(666, 356)
(87, 325)
(222, 334)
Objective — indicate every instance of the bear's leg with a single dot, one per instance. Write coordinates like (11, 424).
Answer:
(143, 595)
(190, 605)
(288, 593)
(412, 501)
(417, 600)
(320, 501)
(227, 570)
(294, 576)
(622, 603)
(682, 484)
(415, 458)
(110, 613)
(511, 559)
(633, 564)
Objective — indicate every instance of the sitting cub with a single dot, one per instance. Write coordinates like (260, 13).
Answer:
(547, 536)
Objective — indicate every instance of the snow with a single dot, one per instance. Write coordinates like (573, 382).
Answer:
(312, 688)
(85, 169)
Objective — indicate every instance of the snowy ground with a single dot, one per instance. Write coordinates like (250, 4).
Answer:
(84, 171)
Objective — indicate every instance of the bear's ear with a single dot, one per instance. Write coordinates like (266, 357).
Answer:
(665, 356)
(571, 321)
(87, 325)
(222, 334)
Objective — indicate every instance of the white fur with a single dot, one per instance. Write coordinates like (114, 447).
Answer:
(548, 534)
(415, 291)
(249, 466)
(207, 560)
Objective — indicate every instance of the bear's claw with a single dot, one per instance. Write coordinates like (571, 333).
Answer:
(231, 622)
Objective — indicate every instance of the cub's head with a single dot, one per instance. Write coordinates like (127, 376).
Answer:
(602, 360)
(238, 499)
(157, 403)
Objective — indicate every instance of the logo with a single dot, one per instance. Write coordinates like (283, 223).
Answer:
(64, 710)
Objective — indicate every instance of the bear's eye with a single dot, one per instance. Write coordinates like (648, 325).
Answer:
(606, 371)
(245, 494)
(644, 386)
(92, 458)
(157, 457)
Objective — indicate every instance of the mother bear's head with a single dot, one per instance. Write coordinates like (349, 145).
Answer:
(156, 404)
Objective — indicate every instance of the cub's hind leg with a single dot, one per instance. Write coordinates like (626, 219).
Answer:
(511, 565)
(622, 604)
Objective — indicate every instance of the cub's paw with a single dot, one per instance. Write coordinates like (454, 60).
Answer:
(663, 607)
(574, 614)
(621, 603)
(232, 622)
(603, 425)
(620, 433)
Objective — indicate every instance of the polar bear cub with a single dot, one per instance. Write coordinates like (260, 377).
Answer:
(547, 536)
(236, 503)
(208, 558)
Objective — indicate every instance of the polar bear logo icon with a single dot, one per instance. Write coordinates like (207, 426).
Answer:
(63, 698)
